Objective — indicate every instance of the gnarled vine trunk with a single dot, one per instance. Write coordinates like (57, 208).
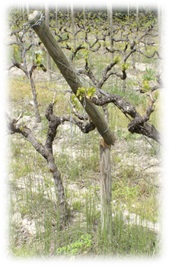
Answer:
(46, 151)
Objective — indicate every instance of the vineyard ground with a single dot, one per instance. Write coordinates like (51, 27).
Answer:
(136, 176)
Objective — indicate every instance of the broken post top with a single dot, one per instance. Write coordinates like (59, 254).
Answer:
(36, 18)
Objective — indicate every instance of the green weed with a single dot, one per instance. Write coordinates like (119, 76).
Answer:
(79, 247)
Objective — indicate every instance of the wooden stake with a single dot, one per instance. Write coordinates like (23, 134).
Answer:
(106, 187)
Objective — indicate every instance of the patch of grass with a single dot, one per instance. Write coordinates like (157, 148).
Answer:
(38, 206)
(126, 240)
(133, 240)
(135, 193)
(19, 89)
(43, 211)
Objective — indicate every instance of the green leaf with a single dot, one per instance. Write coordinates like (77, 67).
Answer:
(75, 101)
(81, 92)
(38, 57)
(125, 66)
(146, 85)
(116, 59)
(90, 92)
(85, 92)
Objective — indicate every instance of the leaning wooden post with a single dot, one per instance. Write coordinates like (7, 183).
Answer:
(37, 22)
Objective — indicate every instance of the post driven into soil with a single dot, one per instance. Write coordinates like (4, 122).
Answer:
(106, 194)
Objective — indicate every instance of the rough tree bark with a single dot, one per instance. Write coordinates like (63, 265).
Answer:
(138, 124)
